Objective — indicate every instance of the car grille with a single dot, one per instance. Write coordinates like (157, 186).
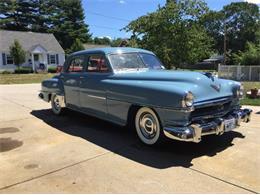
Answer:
(207, 112)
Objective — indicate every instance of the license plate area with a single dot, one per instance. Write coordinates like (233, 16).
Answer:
(229, 124)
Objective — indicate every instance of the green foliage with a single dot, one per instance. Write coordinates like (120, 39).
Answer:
(251, 55)
(65, 19)
(101, 41)
(52, 70)
(17, 52)
(16, 15)
(23, 70)
(67, 22)
(174, 33)
(76, 46)
(242, 22)
(116, 42)
(6, 72)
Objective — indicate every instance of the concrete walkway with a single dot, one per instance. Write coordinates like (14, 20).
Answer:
(43, 153)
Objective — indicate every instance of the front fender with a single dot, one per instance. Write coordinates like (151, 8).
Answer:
(146, 94)
(53, 85)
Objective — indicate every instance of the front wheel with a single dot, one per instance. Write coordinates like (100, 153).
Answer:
(56, 104)
(147, 126)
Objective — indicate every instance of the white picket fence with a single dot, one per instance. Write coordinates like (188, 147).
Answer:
(239, 73)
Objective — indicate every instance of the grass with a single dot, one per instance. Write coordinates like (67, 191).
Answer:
(23, 78)
(248, 101)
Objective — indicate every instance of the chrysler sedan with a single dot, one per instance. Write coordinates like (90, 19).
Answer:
(130, 86)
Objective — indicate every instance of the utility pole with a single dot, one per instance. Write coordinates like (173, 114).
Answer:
(225, 43)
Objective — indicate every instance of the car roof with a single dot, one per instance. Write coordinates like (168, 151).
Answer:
(112, 50)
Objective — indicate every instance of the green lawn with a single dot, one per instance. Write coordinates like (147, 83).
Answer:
(23, 78)
(246, 100)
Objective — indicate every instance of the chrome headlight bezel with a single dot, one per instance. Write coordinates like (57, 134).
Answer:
(188, 100)
(240, 92)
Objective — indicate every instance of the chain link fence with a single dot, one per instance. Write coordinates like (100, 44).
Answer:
(239, 73)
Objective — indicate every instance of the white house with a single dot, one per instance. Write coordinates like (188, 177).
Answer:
(42, 50)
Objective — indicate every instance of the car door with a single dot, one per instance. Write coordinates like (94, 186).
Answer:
(71, 79)
(93, 86)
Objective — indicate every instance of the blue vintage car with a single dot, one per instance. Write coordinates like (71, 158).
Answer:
(130, 86)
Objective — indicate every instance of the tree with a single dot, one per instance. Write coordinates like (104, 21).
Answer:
(174, 33)
(17, 52)
(67, 22)
(101, 41)
(76, 46)
(214, 26)
(251, 56)
(242, 21)
(17, 15)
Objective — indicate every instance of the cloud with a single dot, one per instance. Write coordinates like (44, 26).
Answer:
(253, 1)
(122, 1)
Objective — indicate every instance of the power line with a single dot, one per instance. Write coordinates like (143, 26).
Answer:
(105, 27)
(105, 16)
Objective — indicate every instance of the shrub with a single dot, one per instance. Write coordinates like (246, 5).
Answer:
(23, 70)
(251, 56)
(6, 72)
(52, 70)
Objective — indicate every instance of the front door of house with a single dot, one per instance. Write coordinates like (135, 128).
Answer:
(36, 59)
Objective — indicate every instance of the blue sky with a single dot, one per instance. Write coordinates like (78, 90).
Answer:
(107, 17)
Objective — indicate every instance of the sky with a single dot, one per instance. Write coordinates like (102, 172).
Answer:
(106, 17)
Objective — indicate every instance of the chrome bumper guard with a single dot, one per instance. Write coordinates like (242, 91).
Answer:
(194, 132)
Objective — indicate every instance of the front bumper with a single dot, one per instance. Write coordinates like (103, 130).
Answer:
(194, 132)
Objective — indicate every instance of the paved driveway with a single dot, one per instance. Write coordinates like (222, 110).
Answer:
(42, 153)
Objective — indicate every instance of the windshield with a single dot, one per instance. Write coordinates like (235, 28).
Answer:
(134, 61)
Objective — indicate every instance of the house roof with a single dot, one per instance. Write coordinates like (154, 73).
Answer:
(29, 40)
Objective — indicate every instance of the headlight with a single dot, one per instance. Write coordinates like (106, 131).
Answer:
(240, 91)
(188, 100)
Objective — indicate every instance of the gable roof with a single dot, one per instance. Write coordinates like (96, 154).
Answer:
(28, 40)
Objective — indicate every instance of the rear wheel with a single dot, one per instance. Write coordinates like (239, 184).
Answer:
(56, 104)
(147, 126)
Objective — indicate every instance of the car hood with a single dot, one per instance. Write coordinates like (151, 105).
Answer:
(203, 85)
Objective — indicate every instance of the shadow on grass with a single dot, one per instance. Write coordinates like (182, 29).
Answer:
(124, 142)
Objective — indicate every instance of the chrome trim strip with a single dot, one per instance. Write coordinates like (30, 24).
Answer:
(186, 109)
(97, 97)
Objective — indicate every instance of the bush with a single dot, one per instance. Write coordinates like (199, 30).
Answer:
(23, 70)
(251, 56)
(52, 70)
(6, 72)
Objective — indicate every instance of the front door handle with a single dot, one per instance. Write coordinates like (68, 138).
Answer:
(81, 77)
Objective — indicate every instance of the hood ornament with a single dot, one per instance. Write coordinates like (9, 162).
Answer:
(216, 87)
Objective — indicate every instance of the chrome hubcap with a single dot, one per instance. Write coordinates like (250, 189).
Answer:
(56, 102)
(148, 125)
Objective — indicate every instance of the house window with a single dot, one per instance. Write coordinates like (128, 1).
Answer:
(53, 59)
(9, 59)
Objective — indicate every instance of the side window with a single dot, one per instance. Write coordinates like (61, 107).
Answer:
(76, 64)
(97, 63)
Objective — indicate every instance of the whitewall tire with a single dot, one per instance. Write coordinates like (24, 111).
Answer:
(147, 126)
(56, 104)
